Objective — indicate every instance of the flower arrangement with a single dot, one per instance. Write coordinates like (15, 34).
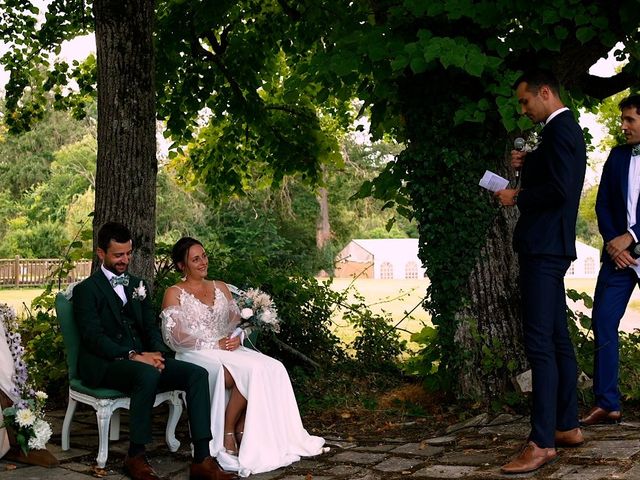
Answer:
(257, 311)
(25, 418)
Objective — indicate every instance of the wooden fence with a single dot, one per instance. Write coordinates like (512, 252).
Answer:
(23, 272)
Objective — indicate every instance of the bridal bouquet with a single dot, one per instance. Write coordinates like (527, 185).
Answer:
(257, 311)
(25, 418)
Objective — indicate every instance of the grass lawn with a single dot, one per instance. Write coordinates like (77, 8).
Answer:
(18, 297)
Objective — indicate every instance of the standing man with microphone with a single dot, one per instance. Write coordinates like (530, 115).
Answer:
(544, 238)
(619, 224)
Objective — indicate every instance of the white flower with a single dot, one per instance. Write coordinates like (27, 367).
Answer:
(42, 433)
(40, 395)
(246, 313)
(25, 417)
(140, 293)
(268, 316)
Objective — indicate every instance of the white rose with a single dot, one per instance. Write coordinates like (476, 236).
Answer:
(246, 313)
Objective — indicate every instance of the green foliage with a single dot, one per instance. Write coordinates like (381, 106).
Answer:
(587, 224)
(377, 344)
(582, 337)
(608, 114)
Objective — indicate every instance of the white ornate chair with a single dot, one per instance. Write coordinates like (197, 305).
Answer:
(106, 402)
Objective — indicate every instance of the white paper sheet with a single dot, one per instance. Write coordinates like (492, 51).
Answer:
(493, 182)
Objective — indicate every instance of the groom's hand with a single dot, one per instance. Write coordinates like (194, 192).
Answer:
(155, 359)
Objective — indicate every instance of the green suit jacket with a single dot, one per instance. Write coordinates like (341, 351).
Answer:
(97, 311)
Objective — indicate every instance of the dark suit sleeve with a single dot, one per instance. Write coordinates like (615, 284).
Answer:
(87, 305)
(557, 149)
(604, 206)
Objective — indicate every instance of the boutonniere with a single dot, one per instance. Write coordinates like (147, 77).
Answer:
(139, 292)
(533, 141)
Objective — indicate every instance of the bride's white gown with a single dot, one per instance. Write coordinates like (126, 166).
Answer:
(273, 432)
(6, 383)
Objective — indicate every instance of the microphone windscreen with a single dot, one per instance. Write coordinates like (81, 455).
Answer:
(518, 143)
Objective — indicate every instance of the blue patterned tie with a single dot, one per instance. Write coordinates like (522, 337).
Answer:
(121, 280)
(635, 150)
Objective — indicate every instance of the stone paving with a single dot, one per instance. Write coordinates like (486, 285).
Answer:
(471, 450)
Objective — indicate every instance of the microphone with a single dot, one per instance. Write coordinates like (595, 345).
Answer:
(518, 144)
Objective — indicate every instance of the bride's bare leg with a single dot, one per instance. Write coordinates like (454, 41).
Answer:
(240, 427)
(235, 409)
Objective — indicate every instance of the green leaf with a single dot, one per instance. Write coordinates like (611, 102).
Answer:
(584, 34)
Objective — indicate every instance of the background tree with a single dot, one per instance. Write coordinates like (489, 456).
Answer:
(436, 76)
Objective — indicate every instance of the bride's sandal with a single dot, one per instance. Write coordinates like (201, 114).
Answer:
(239, 437)
(233, 452)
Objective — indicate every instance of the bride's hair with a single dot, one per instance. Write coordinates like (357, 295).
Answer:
(180, 250)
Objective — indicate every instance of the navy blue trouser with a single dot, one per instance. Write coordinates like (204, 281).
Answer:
(613, 290)
(548, 347)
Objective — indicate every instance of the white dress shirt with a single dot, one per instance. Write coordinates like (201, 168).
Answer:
(118, 288)
(633, 191)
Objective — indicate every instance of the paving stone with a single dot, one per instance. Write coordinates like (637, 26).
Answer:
(505, 424)
(266, 475)
(345, 445)
(70, 454)
(476, 421)
(469, 457)
(585, 472)
(366, 476)
(361, 458)
(632, 474)
(347, 471)
(445, 471)
(88, 470)
(397, 464)
(441, 441)
(420, 449)
(385, 447)
(302, 477)
(608, 449)
(38, 473)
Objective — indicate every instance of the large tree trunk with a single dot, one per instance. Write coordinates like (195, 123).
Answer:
(126, 164)
(465, 239)
(489, 327)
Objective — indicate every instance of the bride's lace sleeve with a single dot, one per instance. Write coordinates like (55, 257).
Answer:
(181, 333)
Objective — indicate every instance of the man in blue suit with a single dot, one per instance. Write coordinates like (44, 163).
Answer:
(544, 238)
(618, 222)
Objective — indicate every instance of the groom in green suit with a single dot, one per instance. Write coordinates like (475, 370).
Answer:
(122, 348)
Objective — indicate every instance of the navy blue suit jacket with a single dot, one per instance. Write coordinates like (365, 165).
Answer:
(611, 202)
(552, 178)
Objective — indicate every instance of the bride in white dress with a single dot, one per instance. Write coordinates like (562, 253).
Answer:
(255, 421)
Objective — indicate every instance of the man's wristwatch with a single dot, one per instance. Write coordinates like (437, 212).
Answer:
(132, 354)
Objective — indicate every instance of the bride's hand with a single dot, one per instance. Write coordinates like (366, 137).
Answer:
(230, 344)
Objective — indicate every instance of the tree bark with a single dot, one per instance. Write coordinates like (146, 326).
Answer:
(489, 326)
(323, 228)
(126, 162)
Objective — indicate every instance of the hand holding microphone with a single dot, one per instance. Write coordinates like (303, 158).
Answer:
(517, 156)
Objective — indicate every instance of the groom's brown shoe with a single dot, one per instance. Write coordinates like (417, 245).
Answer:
(209, 470)
(569, 438)
(600, 416)
(531, 458)
(138, 468)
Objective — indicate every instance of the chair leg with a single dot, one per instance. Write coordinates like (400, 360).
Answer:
(114, 427)
(175, 411)
(103, 416)
(66, 425)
